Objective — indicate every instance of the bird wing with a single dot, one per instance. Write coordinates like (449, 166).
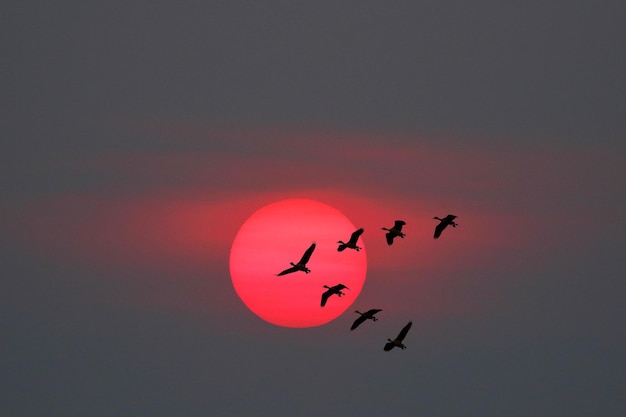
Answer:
(389, 346)
(372, 312)
(439, 229)
(287, 271)
(339, 287)
(449, 217)
(355, 236)
(307, 255)
(325, 296)
(398, 225)
(389, 237)
(404, 331)
(358, 321)
(341, 247)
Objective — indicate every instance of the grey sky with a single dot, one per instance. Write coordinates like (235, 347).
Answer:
(122, 124)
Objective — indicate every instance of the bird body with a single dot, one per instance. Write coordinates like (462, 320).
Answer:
(443, 223)
(351, 244)
(397, 342)
(368, 315)
(395, 231)
(301, 265)
(336, 289)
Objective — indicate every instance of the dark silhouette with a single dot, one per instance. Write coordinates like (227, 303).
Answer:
(301, 265)
(332, 290)
(443, 223)
(395, 231)
(397, 342)
(369, 314)
(351, 244)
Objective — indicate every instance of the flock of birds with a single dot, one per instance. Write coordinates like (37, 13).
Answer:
(392, 233)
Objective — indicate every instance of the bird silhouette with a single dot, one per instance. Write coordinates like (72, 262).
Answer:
(443, 223)
(369, 314)
(301, 265)
(397, 342)
(395, 231)
(351, 244)
(336, 289)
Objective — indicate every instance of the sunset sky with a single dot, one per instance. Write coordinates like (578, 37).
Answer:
(138, 138)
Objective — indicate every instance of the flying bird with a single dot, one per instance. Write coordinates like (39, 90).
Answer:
(369, 314)
(336, 289)
(301, 265)
(395, 231)
(350, 244)
(443, 223)
(397, 342)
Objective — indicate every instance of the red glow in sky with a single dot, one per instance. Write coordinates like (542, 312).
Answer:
(280, 233)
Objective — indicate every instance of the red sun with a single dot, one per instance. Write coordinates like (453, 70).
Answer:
(280, 233)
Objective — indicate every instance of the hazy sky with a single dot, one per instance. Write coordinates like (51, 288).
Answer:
(137, 138)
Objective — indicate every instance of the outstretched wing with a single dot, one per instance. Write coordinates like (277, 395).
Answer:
(355, 236)
(307, 255)
(404, 331)
(389, 237)
(449, 218)
(358, 321)
(287, 271)
(363, 317)
(398, 225)
(442, 225)
(325, 296)
(389, 346)
(339, 287)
